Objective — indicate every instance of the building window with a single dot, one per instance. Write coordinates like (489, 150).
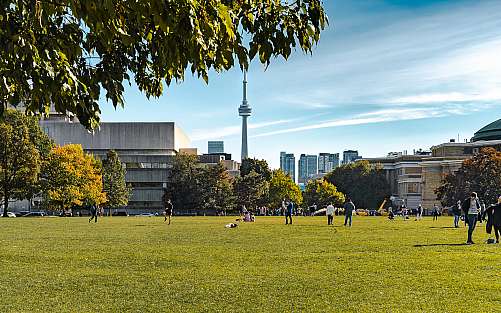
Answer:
(413, 188)
(413, 170)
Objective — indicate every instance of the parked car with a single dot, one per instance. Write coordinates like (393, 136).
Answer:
(34, 214)
(146, 214)
(120, 213)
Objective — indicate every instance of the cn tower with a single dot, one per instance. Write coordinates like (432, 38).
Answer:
(244, 111)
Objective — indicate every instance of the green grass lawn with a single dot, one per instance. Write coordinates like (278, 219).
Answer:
(132, 264)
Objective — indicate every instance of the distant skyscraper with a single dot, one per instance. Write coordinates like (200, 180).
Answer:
(307, 168)
(288, 164)
(244, 111)
(350, 156)
(215, 147)
(327, 162)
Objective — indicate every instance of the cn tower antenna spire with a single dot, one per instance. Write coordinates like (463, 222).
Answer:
(244, 111)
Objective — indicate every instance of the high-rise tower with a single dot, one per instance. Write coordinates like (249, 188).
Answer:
(244, 111)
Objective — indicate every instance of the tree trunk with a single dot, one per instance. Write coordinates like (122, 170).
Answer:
(5, 205)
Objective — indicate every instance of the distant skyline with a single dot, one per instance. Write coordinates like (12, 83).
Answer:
(386, 76)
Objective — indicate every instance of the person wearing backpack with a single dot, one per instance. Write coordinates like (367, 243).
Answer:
(471, 207)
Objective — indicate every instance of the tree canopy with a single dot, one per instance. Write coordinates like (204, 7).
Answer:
(259, 166)
(19, 158)
(481, 174)
(366, 185)
(73, 178)
(66, 52)
(322, 193)
(283, 187)
(114, 185)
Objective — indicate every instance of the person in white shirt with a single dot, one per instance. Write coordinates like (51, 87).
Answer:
(330, 214)
(471, 206)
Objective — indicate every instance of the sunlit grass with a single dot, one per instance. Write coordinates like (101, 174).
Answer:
(196, 265)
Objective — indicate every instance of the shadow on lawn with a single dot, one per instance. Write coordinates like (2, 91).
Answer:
(441, 244)
(443, 227)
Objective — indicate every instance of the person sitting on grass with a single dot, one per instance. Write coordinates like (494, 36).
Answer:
(391, 215)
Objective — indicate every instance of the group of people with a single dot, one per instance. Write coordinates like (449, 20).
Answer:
(349, 208)
(475, 211)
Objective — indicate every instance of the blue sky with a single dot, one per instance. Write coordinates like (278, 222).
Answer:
(386, 76)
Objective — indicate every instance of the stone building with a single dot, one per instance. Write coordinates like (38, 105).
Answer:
(414, 178)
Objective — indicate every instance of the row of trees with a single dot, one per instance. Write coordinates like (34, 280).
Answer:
(63, 176)
(480, 174)
(365, 184)
(193, 185)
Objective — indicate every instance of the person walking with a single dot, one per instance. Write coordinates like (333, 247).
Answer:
(456, 210)
(494, 219)
(169, 207)
(330, 214)
(482, 210)
(288, 212)
(471, 206)
(349, 207)
(435, 212)
(93, 212)
(419, 212)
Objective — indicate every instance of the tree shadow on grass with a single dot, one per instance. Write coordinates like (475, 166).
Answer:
(441, 245)
(316, 226)
(442, 227)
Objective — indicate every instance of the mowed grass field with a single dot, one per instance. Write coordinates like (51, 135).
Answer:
(140, 264)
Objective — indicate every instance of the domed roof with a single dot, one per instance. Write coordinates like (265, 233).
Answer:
(489, 132)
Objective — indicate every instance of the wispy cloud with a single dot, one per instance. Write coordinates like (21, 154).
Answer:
(385, 115)
(433, 98)
(227, 131)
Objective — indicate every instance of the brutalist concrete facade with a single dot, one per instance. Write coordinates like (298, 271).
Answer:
(146, 148)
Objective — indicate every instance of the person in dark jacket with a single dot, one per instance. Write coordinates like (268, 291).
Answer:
(471, 207)
(93, 212)
(493, 214)
(169, 207)
(349, 207)
(288, 212)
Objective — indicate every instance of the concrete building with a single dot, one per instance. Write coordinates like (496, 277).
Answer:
(327, 162)
(288, 164)
(404, 174)
(215, 147)
(231, 166)
(414, 178)
(350, 156)
(146, 149)
(307, 168)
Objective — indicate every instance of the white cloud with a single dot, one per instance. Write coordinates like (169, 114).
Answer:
(386, 115)
(447, 97)
(219, 133)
